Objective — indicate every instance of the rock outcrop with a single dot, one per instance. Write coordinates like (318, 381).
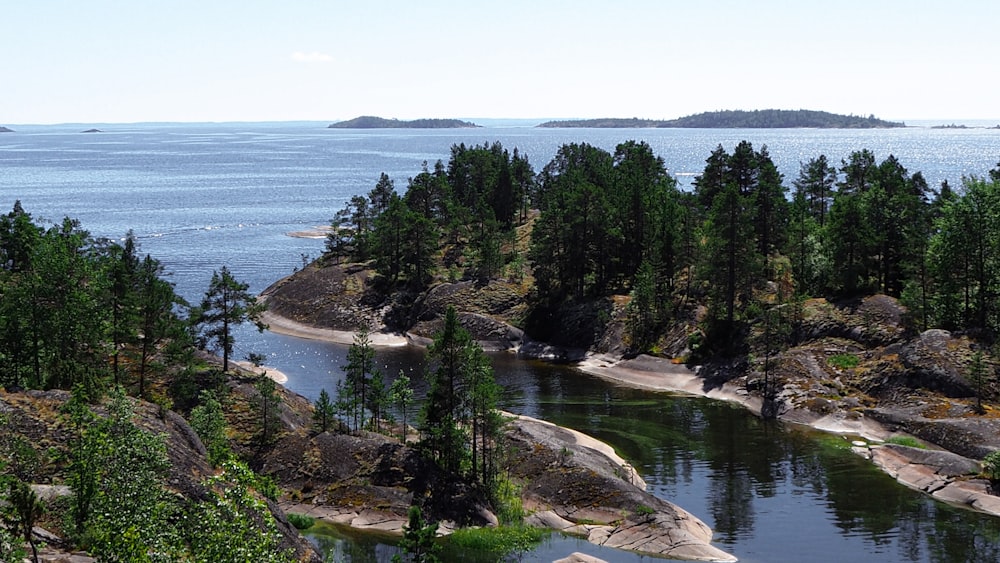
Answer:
(577, 485)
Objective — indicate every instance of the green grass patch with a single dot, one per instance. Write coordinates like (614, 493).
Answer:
(502, 541)
(908, 441)
(300, 521)
(843, 361)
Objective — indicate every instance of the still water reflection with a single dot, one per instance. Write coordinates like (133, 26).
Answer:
(772, 492)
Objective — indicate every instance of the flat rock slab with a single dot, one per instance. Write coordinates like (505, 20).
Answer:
(943, 475)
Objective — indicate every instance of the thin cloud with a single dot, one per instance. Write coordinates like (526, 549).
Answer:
(313, 57)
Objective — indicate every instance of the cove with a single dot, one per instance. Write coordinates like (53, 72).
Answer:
(771, 491)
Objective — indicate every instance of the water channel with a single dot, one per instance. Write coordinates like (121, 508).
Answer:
(771, 491)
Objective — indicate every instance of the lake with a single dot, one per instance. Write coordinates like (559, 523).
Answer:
(200, 196)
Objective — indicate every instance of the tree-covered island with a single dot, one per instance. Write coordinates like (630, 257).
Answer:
(738, 119)
(372, 122)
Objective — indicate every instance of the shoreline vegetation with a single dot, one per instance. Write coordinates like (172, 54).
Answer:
(908, 465)
(786, 304)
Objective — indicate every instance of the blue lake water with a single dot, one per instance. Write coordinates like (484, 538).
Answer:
(200, 196)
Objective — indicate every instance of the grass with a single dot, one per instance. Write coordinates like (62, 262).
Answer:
(843, 361)
(908, 441)
(500, 541)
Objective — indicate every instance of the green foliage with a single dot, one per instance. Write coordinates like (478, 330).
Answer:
(209, 423)
(300, 521)
(22, 511)
(991, 466)
(978, 377)
(119, 510)
(506, 497)
(401, 395)
(267, 406)
(502, 542)
(643, 510)
(324, 412)
(908, 441)
(843, 361)
(236, 525)
(418, 543)
(227, 303)
(359, 372)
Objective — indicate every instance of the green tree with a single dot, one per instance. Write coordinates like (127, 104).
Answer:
(324, 412)
(418, 541)
(401, 395)
(817, 183)
(442, 434)
(378, 400)
(359, 371)
(158, 320)
(226, 304)
(23, 511)
(122, 296)
(732, 262)
(235, 525)
(977, 376)
(209, 423)
(120, 511)
(267, 405)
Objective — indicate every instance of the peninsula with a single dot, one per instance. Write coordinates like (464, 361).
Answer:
(372, 122)
(737, 119)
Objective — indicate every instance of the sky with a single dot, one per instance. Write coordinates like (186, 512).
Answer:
(103, 61)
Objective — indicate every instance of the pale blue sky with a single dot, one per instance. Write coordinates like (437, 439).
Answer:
(326, 60)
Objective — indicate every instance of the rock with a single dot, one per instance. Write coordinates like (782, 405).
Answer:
(92, 131)
(579, 558)
(571, 484)
(5, 130)
(939, 473)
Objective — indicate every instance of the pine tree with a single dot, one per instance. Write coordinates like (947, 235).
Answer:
(226, 304)
(324, 412)
(401, 395)
(418, 539)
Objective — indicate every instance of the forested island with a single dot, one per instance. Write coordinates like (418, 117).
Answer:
(371, 122)
(854, 293)
(736, 119)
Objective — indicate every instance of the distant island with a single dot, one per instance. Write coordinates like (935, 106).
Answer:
(92, 131)
(737, 119)
(371, 122)
(5, 130)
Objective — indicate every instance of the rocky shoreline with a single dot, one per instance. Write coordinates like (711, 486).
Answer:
(955, 483)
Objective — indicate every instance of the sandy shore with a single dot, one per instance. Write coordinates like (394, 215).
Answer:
(274, 374)
(282, 325)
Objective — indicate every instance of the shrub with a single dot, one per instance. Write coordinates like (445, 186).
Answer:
(301, 521)
(991, 466)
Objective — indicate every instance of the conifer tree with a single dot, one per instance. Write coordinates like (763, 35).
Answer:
(226, 304)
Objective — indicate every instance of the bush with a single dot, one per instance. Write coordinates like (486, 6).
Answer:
(991, 466)
(301, 521)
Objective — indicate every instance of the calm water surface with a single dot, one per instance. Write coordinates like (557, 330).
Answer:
(202, 196)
